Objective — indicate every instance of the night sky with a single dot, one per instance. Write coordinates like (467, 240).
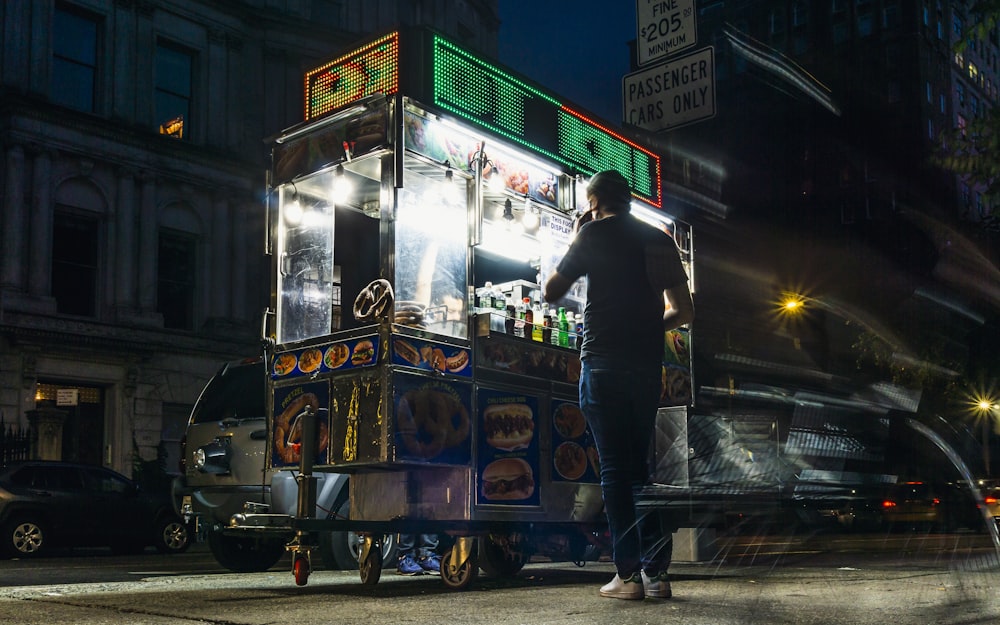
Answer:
(578, 52)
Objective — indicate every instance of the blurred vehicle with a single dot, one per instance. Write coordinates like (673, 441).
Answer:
(991, 503)
(224, 457)
(45, 504)
(942, 506)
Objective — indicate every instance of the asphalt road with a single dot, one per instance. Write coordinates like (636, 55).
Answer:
(946, 579)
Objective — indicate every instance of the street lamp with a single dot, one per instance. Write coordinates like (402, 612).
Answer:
(985, 407)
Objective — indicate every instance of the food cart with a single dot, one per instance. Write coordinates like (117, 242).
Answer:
(427, 195)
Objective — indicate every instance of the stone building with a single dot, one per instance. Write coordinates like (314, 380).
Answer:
(132, 196)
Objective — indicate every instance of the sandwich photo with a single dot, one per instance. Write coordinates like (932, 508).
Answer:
(508, 479)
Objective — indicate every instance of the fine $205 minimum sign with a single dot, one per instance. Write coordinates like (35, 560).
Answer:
(663, 27)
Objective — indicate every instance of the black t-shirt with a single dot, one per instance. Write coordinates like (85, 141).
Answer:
(623, 317)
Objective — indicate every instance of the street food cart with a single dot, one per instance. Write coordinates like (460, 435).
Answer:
(412, 218)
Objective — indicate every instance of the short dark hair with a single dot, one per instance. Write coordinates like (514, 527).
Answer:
(612, 189)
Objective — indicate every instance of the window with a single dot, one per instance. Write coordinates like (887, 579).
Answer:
(175, 288)
(866, 24)
(838, 6)
(74, 263)
(800, 14)
(173, 79)
(841, 32)
(943, 103)
(890, 15)
(777, 21)
(930, 92)
(74, 59)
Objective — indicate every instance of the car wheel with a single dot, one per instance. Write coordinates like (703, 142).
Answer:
(25, 537)
(245, 555)
(173, 535)
(341, 550)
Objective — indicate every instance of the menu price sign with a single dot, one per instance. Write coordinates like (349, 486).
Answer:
(664, 27)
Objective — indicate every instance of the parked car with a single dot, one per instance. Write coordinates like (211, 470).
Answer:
(991, 502)
(45, 504)
(224, 467)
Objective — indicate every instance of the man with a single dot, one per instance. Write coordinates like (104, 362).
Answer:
(417, 554)
(636, 290)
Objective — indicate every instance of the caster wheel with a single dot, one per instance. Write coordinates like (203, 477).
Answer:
(458, 575)
(301, 570)
(370, 566)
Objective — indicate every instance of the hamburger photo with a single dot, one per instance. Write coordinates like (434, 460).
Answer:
(508, 427)
(508, 479)
(364, 353)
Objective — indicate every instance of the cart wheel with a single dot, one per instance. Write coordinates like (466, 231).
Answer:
(459, 567)
(502, 556)
(370, 562)
(301, 570)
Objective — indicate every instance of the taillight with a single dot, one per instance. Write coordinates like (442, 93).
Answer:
(935, 501)
(989, 501)
(888, 504)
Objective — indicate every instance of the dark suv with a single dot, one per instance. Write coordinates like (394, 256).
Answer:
(44, 504)
(224, 460)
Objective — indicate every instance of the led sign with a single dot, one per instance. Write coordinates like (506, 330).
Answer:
(493, 98)
(363, 72)
(486, 95)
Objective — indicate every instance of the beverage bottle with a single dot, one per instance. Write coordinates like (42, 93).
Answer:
(510, 320)
(536, 328)
(579, 331)
(563, 332)
(547, 328)
(499, 300)
(524, 319)
(486, 296)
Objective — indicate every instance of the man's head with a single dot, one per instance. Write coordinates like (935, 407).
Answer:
(611, 191)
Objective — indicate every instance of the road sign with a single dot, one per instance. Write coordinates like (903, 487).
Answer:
(664, 27)
(672, 94)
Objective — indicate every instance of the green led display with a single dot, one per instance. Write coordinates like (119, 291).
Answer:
(494, 99)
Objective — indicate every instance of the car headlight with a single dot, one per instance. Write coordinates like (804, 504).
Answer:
(213, 457)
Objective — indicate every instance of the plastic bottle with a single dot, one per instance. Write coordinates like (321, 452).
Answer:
(547, 327)
(536, 328)
(563, 332)
(579, 331)
(486, 296)
(499, 300)
(525, 316)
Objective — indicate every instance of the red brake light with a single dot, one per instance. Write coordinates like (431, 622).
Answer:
(990, 500)
(888, 504)
(935, 501)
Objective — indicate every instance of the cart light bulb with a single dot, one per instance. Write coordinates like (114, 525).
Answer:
(293, 212)
(495, 182)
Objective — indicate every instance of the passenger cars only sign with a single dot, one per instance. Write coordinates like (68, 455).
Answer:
(671, 94)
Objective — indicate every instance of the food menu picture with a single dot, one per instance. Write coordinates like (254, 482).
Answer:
(289, 407)
(321, 359)
(508, 449)
(574, 455)
(432, 420)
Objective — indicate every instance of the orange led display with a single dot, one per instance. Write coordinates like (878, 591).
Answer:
(363, 72)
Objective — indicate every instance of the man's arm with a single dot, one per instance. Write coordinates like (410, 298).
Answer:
(555, 287)
(681, 307)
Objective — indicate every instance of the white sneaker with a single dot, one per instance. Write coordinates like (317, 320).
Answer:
(619, 588)
(656, 587)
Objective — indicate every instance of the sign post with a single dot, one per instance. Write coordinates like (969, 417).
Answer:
(663, 27)
(674, 93)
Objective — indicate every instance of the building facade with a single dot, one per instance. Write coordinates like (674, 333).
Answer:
(132, 197)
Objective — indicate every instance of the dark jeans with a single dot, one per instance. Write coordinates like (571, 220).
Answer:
(417, 545)
(620, 406)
